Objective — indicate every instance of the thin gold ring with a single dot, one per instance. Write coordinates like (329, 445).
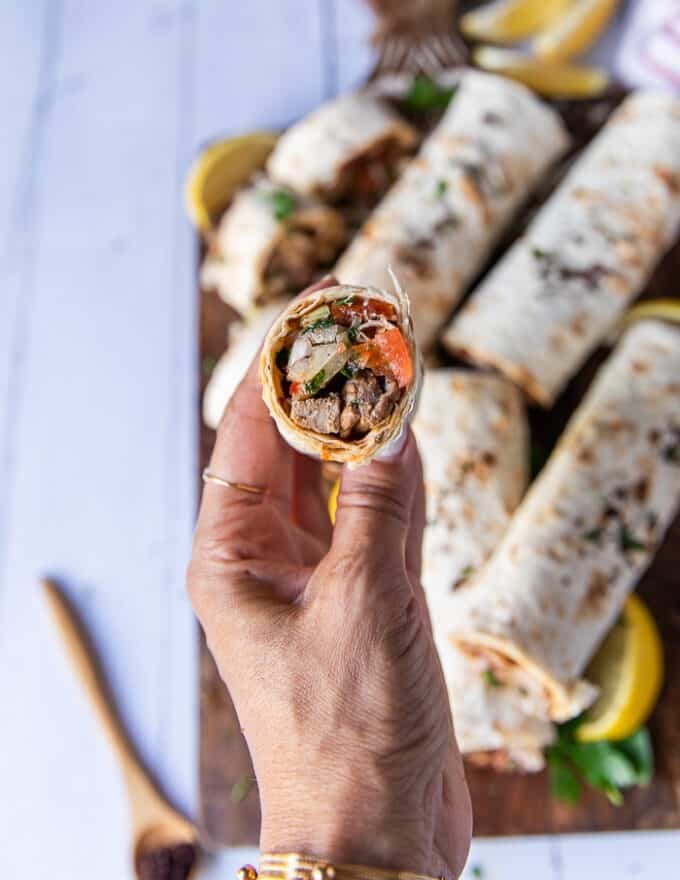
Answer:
(244, 487)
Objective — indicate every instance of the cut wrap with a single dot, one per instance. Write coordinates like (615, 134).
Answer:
(437, 225)
(586, 531)
(349, 146)
(245, 339)
(473, 439)
(548, 303)
(270, 243)
(277, 390)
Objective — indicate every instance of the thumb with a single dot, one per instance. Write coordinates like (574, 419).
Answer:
(375, 505)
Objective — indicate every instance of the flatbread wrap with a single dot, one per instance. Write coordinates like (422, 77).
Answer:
(585, 533)
(350, 147)
(340, 372)
(554, 296)
(437, 225)
(473, 439)
(270, 243)
(244, 341)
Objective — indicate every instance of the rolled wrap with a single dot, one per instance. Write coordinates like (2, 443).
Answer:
(264, 220)
(324, 446)
(553, 297)
(586, 531)
(437, 225)
(314, 155)
(473, 439)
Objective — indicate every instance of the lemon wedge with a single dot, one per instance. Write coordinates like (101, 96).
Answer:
(546, 78)
(661, 309)
(575, 31)
(508, 21)
(219, 170)
(628, 669)
(333, 500)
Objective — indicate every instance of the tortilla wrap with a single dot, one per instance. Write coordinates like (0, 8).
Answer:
(588, 253)
(437, 225)
(325, 446)
(263, 223)
(473, 439)
(586, 531)
(245, 339)
(312, 156)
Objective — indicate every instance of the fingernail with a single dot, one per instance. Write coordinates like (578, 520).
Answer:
(394, 448)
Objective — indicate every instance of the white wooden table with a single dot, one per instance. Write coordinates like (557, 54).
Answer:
(103, 106)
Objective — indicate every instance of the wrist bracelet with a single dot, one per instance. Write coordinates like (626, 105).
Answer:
(297, 866)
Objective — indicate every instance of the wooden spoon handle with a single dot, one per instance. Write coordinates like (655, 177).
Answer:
(83, 659)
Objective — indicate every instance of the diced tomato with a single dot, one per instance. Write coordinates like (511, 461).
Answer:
(294, 388)
(387, 353)
(361, 310)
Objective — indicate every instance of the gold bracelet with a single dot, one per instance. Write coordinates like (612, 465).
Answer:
(297, 866)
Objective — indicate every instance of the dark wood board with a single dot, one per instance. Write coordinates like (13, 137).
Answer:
(504, 804)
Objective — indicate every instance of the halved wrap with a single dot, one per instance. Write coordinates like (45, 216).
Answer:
(270, 243)
(585, 533)
(547, 304)
(473, 439)
(245, 339)
(340, 372)
(437, 225)
(349, 147)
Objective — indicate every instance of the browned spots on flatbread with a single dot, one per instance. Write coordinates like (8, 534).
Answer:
(670, 179)
(595, 599)
(578, 324)
(474, 195)
(640, 366)
(641, 489)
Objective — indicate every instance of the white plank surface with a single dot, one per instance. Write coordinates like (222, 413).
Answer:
(103, 106)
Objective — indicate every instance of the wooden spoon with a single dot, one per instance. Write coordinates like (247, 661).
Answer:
(156, 825)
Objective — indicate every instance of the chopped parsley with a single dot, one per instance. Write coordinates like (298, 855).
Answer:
(282, 203)
(491, 679)
(317, 325)
(467, 571)
(442, 186)
(608, 766)
(353, 333)
(349, 371)
(315, 383)
(539, 254)
(477, 871)
(671, 454)
(627, 541)
(593, 536)
(426, 94)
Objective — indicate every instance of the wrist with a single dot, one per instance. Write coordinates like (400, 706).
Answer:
(381, 833)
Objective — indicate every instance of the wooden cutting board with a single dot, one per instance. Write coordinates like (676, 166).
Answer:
(504, 804)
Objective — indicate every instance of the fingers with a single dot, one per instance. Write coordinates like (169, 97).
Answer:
(309, 508)
(375, 506)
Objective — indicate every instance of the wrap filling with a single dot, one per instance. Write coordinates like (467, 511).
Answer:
(345, 367)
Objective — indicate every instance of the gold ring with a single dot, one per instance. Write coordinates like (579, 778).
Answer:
(244, 487)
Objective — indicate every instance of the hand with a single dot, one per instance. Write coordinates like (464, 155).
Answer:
(324, 642)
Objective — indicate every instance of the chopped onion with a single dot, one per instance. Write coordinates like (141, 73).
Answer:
(302, 348)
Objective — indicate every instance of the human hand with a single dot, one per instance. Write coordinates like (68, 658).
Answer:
(324, 642)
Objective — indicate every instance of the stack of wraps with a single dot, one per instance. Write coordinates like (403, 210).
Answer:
(553, 297)
(473, 439)
(437, 225)
(585, 532)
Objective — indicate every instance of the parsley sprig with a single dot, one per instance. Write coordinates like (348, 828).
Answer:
(426, 94)
(608, 766)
